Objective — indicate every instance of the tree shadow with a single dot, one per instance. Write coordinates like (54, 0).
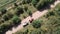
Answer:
(44, 8)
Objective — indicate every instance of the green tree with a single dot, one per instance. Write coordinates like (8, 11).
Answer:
(4, 27)
(25, 8)
(15, 4)
(16, 20)
(36, 23)
(19, 11)
(3, 11)
(5, 17)
(34, 2)
(10, 15)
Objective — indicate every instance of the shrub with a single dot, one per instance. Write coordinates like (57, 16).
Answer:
(19, 11)
(36, 23)
(15, 4)
(25, 8)
(16, 20)
(5, 17)
(3, 11)
(4, 27)
(34, 2)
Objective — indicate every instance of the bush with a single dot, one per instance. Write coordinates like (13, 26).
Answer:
(1, 21)
(34, 2)
(4, 27)
(36, 23)
(15, 4)
(5, 17)
(7, 25)
(25, 8)
(16, 20)
(19, 11)
(3, 11)
(10, 15)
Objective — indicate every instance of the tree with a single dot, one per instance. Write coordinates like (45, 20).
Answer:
(4, 27)
(36, 23)
(19, 11)
(1, 21)
(41, 4)
(5, 17)
(10, 15)
(16, 20)
(15, 4)
(25, 8)
(34, 2)
(3, 11)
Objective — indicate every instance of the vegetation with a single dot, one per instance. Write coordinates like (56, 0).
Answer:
(19, 11)
(3, 11)
(44, 3)
(50, 23)
(16, 20)
(36, 23)
(13, 11)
